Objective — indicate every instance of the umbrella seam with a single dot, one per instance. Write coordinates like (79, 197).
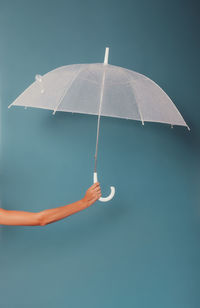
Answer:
(67, 89)
(137, 104)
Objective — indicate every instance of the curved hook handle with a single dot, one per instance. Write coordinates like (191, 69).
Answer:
(112, 190)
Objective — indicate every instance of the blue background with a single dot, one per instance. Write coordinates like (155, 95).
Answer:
(142, 248)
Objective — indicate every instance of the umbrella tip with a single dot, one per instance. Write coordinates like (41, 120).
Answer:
(106, 55)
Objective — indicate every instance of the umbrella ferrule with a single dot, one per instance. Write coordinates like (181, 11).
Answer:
(106, 55)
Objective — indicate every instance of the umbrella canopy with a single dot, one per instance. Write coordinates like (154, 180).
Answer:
(104, 90)
(77, 88)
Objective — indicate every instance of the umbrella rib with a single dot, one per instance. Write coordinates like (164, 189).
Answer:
(67, 89)
(137, 104)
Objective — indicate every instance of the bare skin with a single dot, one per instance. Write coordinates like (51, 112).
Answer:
(21, 218)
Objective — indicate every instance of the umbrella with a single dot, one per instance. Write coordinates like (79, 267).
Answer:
(104, 90)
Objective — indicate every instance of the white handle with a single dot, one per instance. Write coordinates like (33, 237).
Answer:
(112, 190)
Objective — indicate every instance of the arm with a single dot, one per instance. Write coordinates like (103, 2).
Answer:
(21, 218)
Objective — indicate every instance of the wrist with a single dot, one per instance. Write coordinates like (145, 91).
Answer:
(84, 202)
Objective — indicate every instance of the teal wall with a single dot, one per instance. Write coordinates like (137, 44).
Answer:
(142, 248)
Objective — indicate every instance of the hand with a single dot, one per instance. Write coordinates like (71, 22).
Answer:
(92, 194)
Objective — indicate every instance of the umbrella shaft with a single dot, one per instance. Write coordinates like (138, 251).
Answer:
(97, 142)
(98, 122)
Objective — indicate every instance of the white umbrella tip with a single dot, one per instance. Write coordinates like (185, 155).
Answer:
(106, 55)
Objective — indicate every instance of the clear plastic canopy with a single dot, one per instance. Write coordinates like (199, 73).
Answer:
(81, 87)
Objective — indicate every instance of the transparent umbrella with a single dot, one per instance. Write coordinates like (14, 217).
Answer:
(104, 90)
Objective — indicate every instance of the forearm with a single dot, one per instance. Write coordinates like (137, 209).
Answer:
(22, 218)
(51, 215)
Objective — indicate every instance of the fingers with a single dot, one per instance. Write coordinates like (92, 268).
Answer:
(95, 187)
(93, 193)
(96, 194)
(96, 190)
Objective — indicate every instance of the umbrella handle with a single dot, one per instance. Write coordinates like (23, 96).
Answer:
(112, 190)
